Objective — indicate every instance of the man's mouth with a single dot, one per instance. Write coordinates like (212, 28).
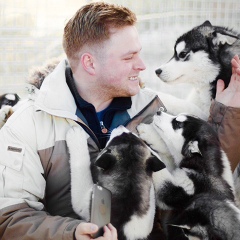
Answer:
(133, 78)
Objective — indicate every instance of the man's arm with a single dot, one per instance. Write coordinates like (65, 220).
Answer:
(225, 114)
(22, 222)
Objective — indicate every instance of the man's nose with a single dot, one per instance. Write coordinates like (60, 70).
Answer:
(140, 64)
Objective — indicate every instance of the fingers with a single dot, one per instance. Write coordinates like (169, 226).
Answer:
(238, 71)
(113, 231)
(220, 86)
(236, 58)
(110, 233)
(235, 69)
(85, 229)
(235, 63)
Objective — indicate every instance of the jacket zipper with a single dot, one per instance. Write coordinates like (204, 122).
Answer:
(103, 128)
(91, 133)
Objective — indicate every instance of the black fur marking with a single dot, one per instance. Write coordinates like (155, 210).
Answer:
(6, 101)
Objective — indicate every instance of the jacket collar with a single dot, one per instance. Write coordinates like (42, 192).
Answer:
(55, 97)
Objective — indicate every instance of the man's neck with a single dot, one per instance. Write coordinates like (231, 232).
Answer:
(98, 99)
(93, 95)
(101, 105)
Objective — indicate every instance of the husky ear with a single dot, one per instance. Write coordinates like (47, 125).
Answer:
(184, 228)
(154, 164)
(105, 161)
(223, 38)
(207, 24)
(189, 148)
(181, 226)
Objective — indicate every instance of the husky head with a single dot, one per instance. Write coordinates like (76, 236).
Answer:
(188, 136)
(125, 167)
(125, 161)
(201, 56)
(208, 217)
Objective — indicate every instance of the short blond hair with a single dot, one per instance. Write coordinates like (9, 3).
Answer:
(91, 24)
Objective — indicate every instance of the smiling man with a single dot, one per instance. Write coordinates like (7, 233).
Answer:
(96, 89)
(90, 93)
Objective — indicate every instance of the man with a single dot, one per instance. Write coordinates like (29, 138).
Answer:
(225, 114)
(97, 90)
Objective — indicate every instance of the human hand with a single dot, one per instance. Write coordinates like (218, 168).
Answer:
(84, 231)
(231, 95)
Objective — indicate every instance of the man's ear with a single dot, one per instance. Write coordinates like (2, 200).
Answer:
(87, 63)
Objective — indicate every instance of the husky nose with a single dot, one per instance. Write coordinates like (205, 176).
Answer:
(158, 71)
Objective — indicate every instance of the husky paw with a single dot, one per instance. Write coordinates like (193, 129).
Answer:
(160, 179)
(148, 134)
(144, 131)
(181, 179)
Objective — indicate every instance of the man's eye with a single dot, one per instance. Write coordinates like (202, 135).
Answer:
(129, 57)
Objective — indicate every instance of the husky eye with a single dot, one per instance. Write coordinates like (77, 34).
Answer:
(176, 124)
(182, 55)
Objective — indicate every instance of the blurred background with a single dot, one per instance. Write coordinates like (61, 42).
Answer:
(31, 31)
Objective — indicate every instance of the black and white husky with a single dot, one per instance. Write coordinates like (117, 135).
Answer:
(7, 101)
(125, 167)
(201, 57)
(10, 102)
(200, 187)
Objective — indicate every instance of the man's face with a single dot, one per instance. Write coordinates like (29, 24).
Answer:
(119, 65)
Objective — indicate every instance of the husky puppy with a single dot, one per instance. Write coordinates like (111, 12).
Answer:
(7, 101)
(125, 167)
(200, 188)
(10, 102)
(201, 57)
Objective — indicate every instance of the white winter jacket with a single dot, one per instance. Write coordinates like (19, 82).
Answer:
(34, 159)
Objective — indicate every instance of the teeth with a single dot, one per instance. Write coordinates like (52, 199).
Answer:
(133, 78)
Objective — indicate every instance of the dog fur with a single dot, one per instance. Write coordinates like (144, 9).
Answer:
(7, 101)
(10, 102)
(201, 57)
(200, 189)
(125, 167)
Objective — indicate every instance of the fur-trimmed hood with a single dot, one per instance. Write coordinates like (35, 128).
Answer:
(38, 74)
